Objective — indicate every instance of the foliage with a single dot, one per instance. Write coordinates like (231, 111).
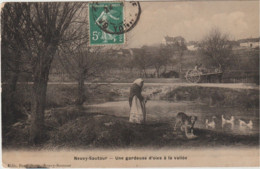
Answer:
(216, 49)
(142, 60)
(160, 57)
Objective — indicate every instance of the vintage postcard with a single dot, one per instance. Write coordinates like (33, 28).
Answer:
(110, 84)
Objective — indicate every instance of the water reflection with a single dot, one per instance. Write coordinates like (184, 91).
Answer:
(245, 130)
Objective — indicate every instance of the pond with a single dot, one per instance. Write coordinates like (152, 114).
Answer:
(159, 111)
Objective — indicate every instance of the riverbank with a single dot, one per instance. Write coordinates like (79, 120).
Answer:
(98, 130)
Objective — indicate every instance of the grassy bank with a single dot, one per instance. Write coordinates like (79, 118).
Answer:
(88, 130)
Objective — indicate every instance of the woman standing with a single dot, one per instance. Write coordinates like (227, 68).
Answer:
(137, 103)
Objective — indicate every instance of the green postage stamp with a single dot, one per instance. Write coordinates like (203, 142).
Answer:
(104, 20)
(110, 21)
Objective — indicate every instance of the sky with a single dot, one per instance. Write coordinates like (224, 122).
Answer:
(193, 20)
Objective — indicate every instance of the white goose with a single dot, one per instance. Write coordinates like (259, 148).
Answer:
(211, 124)
(243, 123)
(231, 120)
(226, 121)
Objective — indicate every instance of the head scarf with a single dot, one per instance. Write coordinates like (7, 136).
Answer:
(138, 82)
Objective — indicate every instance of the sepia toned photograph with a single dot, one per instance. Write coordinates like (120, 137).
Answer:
(130, 84)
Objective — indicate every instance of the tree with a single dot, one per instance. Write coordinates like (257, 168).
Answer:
(179, 46)
(13, 57)
(160, 57)
(175, 46)
(83, 63)
(128, 63)
(44, 26)
(216, 49)
(142, 60)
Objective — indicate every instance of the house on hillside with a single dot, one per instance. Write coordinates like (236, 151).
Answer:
(249, 43)
(173, 40)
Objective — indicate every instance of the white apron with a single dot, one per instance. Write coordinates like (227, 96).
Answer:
(137, 111)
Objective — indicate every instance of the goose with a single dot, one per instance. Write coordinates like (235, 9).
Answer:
(243, 123)
(226, 121)
(211, 124)
(231, 121)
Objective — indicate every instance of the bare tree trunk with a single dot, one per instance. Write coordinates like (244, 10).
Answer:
(38, 106)
(8, 108)
(12, 93)
(14, 82)
(11, 108)
(81, 90)
(41, 74)
(180, 68)
(157, 71)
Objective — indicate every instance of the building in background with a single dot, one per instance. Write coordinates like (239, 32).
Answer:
(249, 43)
